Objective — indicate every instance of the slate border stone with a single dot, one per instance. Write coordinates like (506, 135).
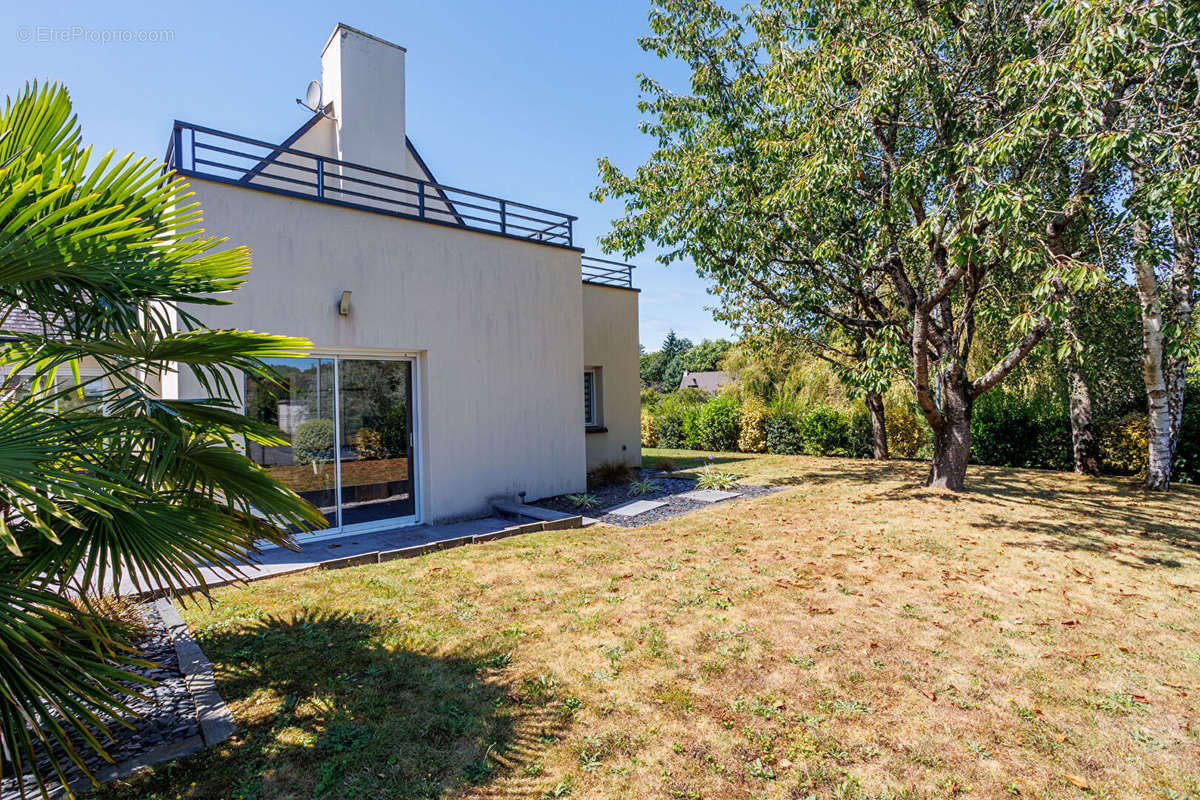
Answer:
(216, 721)
(207, 720)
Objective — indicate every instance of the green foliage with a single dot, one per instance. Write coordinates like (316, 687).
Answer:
(313, 441)
(649, 428)
(583, 500)
(1009, 431)
(783, 433)
(908, 434)
(393, 429)
(857, 177)
(752, 431)
(642, 487)
(651, 398)
(1187, 453)
(706, 356)
(817, 430)
(111, 261)
(677, 420)
(710, 478)
(826, 431)
(718, 424)
(1124, 443)
(654, 365)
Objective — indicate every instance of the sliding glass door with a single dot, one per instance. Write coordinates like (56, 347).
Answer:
(349, 425)
(375, 425)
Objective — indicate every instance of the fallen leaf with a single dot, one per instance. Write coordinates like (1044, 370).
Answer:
(1076, 780)
(929, 694)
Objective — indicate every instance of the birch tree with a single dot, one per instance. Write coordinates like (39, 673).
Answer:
(1142, 62)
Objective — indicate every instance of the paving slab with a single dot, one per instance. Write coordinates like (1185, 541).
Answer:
(710, 495)
(635, 507)
(347, 550)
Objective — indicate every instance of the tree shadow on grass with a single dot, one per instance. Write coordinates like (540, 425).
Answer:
(332, 705)
(1111, 516)
(1047, 509)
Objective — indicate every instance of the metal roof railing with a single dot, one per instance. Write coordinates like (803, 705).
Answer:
(607, 273)
(197, 151)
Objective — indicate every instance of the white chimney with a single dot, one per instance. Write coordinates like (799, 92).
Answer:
(363, 77)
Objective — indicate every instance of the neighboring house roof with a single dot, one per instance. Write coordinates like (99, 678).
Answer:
(705, 381)
(21, 321)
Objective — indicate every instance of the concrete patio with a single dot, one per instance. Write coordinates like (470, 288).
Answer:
(366, 548)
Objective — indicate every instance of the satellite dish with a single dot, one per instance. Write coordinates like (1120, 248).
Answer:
(314, 99)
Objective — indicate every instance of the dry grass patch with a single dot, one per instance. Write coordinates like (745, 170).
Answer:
(854, 636)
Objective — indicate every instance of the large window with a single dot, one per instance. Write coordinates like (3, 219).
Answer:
(349, 424)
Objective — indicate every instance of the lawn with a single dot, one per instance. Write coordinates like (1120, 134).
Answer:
(853, 636)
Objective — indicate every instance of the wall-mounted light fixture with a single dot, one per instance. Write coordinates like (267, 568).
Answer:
(344, 304)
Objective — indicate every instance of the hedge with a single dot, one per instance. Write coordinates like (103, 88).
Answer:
(1006, 430)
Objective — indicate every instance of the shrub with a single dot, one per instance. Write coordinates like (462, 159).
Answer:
(313, 441)
(690, 395)
(907, 432)
(645, 486)
(609, 473)
(649, 426)
(1187, 453)
(862, 437)
(783, 433)
(715, 479)
(752, 431)
(664, 465)
(583, 500)
(650, 399)
(825, 431)
(676, 421)
(1008, 431)
(1124, 443)
(393, 430)
(691, 427)
(718, 424)
(368, 443)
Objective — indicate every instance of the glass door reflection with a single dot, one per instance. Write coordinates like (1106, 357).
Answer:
(375, 419)
(301, 405)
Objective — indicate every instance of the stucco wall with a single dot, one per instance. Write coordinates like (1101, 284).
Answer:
(610, 343)
(496, 323)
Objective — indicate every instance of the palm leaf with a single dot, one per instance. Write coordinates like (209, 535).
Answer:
(108, 256)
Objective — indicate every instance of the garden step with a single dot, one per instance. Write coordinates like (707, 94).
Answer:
(635, 507)
(510, 509)
(709, 495)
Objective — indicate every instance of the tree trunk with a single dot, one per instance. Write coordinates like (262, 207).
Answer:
(1084, 451)
(952, 438)
(1183, 279)
(1085, 455)
(1158, 467)
(878, 425)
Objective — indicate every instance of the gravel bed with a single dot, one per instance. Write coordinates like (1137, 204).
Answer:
(669, 491)
(167, 716)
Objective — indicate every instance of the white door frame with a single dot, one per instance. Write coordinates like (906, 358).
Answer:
(416, 453)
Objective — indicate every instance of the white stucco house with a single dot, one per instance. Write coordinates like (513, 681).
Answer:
(464, 348)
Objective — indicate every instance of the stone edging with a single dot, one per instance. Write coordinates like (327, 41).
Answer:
(216, 723)
(380, 556)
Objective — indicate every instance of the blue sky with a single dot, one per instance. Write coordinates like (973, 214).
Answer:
(516, 99)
